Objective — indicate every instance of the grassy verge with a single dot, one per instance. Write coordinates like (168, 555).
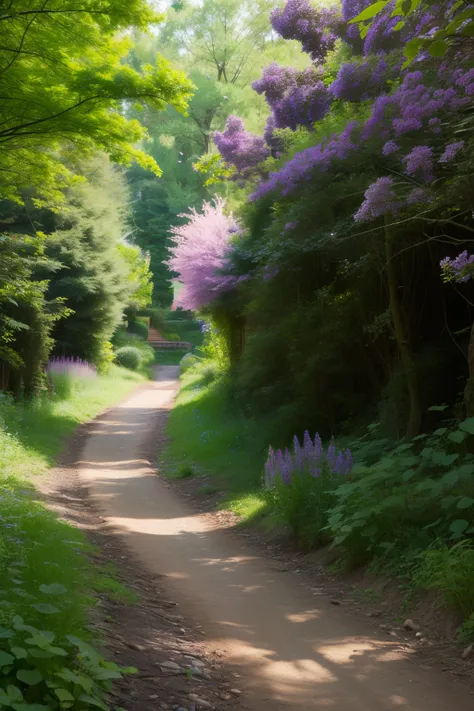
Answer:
(47, 580)
(207, 436)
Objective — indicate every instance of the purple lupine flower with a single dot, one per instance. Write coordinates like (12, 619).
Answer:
(348, 462)
(339, 465)
(308, 447)
(389, 148)
(379, 200)
(318, 447)
(450, 151)
(419, 162)
(314, 27)
(240, 148)
(331, 455)
(298, 453)
(405, 125)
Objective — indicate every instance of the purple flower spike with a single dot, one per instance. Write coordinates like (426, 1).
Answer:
(318, 447)
(348, 463)
(298, 453)
(331, 455)
(307, 446)
(339, 465)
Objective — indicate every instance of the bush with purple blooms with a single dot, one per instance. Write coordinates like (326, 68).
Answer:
(300, 485)
(66, 373)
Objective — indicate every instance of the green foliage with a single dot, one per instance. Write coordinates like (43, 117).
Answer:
(63, 73)
(303, 505)
(46, 578)
(138, 328)
(139, 275)
(450, 571)
(128, 357)
(26, 316)
(90, 275)
(420, 491)
(188, 361)
(43, 671)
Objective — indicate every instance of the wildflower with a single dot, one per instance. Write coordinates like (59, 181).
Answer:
(379, 200)
(419, 162)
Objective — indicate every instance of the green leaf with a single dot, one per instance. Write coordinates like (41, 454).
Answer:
(438, 49)
(457, 436)
(409, 474)
(30, 677)
(458, 527)
(467, 425)
(19, 652)
(468, 30)
(5, 633)
(6, 658)
(370, 12)
(84, 648)
(440, 431)
(399, 26)
(40, 654)
(53, 589)
(437, 408)
(93, 702)
(450, 478)
(64, 695)
(465, 502)
(45, 608)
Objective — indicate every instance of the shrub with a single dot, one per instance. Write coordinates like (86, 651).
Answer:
(66, 373)
(128, 357)
(421, 491)
(188, 361)
(172, 336)
(300, 486)
(139, 328)
(38, 668)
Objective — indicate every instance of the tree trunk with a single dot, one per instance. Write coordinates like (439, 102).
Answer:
(469, 389)
(403, 343)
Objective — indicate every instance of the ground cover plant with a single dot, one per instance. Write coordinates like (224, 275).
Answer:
(48, 583)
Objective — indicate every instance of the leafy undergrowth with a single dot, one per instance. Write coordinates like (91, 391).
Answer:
(405, 510)
(47, 583)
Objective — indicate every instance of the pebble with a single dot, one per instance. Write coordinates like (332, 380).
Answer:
(411, 626)
(170, 665)
(236, 692)
(419, 635)
(225, 697)
(137, 647)
(468, 651)
(201, 703)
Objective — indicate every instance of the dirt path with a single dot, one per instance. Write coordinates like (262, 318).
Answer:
(293, 651)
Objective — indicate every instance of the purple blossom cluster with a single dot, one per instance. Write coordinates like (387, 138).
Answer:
(74, 367)
(416, 104)
(379, 199)
(200, 255)
(419, 163)
(359, 81)
(309, 457)
(450, 151)
(304, 164)
(316, 28)
(240, 148)
(296, 98)
(459, 269)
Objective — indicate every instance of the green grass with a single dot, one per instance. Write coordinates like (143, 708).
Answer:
(209, 436)
(36, 548)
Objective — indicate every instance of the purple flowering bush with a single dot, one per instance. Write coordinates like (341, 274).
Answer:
(66, 374)
(299, 485)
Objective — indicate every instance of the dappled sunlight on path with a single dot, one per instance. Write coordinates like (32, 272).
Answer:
(291, 654)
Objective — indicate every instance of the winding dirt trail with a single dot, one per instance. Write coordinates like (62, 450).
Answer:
(293, 651)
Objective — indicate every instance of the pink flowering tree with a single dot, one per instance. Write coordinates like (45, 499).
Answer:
(200, 254)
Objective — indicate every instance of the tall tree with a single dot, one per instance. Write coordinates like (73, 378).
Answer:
(63, 81)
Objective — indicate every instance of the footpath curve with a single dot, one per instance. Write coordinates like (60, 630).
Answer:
(292, 650)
